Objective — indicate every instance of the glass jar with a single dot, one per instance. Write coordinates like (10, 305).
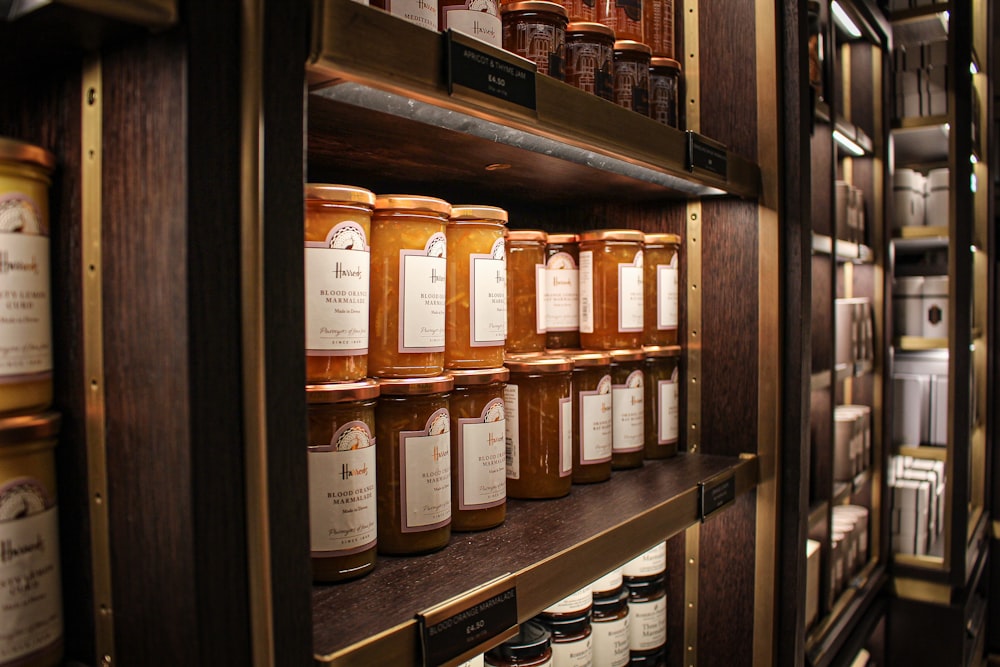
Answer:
(562, 291)
(648, 565)
(338, 274)
(647, 605)
(25, 295)
(29, 532)
(476, 313)
(572, 641)
(610, 625)
(539, 404)
(536, 30)
(660, 273)
(590, 54)
(592, 418)
(611, 289)
(530, 647)
(622, 16)
(662, 401)
(608, 585)
(480, 19)
(631, 75)
(658, 27)
(413, 464)
(665, 91)
(655, 658)
(341, 467)
(423, 13)
(479, 457)
(526, 317)
(572, 606)
(628, 396)
(409, 266)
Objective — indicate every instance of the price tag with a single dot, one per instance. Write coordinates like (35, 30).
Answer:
(707, 155)
(716, 494)
(504, 77)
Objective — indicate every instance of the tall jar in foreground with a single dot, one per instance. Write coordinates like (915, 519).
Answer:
(665, 91)
(662, 401)
(341, 467)
(658, 27)
(25, 297)
(413, 464)
(562, 291)
(661, 293)
(590, 55)
(611, 289)
(337, 268)
(592, 415)
(536, 30)
(631, 76)
(628, 397)
(409, 266)
(526, 315)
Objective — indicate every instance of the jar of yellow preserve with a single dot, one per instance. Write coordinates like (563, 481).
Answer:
(25, 298)
(526, 316)
(611, 289)
(661, 259)
(662, 401)
(628, 396)
(337, 268)
(562, 291)
(476, 314)
(409, 267)
(413, 464)
(592, 414)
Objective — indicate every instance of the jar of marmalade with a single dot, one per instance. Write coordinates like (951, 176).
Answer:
(479, 454)
(342, 501)
(476, 313)
(647, 606)
(622, 16)
(661, 259)
(562, 291)
(413, 464)
(628, 396)
(539, 404)
(648, 565)
(662, 401)
(665, 91)
(631, 76)
(590, 54)
(572, 606)
(531, 647)
(526, 316)
(409, 266)
(572, 641)
(658, 27)
(536, 30)
(610, 626)
(611, 289)
(593, 412)
(337, 268)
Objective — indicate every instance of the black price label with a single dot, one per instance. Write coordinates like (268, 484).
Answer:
(465, 625)
(502, 77)
(716, 494)
(707, 155)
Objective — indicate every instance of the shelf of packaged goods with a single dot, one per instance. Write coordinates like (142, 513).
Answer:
(915, 343)
(827, 637)
(548, 549)
(380, 91)
(917, 25)
(921, 142)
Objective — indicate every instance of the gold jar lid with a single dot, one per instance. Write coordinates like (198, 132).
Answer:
(563, 238)
(342, 392)
(659, 351)
(540, 364)
(535, 6)
(613, 235)
(633, 354)
(416, 386)
(347, 194)
(28, 428)
(633, 46)
(470, 212)
(412, 203)
(663, 239)
(527, 235)
(21, 151)
(480, 376)
(590, 27)
(584, 358)
(669, 63)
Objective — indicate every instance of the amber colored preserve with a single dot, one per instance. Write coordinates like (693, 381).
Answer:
(592, 414)
(526, 271)
(628, 396)
(611, 289)
(663, 388)
(660, 289)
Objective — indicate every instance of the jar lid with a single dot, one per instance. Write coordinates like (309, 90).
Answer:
(669, 63)
(479, 376)
(341, 392)
(535, 6)
(567, 627)
(564, 238)
(643, 586)
(28, 428)
(636, 354)
(340, 193)
(609, 584)
(612, 603)
(613, 235)
(526, 234)
(590, 27)
(416, 386)
(470, 212)
(21, 151)
(531, 641)
(632, 45)
(412, 203)
(658, 239)
(660, 351)
(539, 364)
(584, 358)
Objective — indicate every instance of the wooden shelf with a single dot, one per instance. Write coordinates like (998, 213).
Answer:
(829, 634)
(920, 24)
(551, 548)
(822, 244)
(922, 452)
(917, 343)
(848, 251)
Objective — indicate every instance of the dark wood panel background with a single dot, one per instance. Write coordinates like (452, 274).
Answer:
(821, 445)
(862, 97)
(821, 170)
(676, 602)
(822, 313)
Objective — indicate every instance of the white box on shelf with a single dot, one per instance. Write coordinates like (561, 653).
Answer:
(812, 581)
(908, 198)
(908, 306)
(937, 188)
(935, 307)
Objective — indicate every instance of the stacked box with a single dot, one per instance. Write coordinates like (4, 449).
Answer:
(921, 79)
(917, 514)
(920, 398)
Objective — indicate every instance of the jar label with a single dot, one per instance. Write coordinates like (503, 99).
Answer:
(663, 99)
(648, 564)
(648, 627)
(610, 582)
(25, 308)
(629, 415)
(512, 431)
(342, 506)
(588, 67)
(586, 291)
(562, 293)
(666, 295)
(579, 601)
(579, 653)
(337, 292)
(632, 85)
(596, 412)
(668, 411)
(488, 312)
(482, 456)
(422, 297)
(611, 642)
(421, 12)
(539, 42)
(630, 308)
(566, 436)
(540, 301)
(476, 18)
(425, 459)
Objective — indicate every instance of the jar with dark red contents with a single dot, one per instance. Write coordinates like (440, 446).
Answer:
(590, 54)
(628, 395)
(661, 292)
(631, 75)
(611, 289)
(536, 30)
(592, 421)
(622, 16)
(665, 91)
(562, 291)
(662, 401)
(572, 641)
(648, 615)
(580, 10)
(658, 27)
(610, 628)
(526, 275)
(530, 647)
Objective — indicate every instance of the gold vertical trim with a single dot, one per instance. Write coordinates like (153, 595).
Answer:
(692, 249)
(690, 68)
(92, 129)
(692, 542)
(252, 302)
(877, 228)
(845, 79)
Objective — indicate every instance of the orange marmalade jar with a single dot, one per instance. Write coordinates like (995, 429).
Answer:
(592, 414)
(526, 317)
(562, 291)
(342, 511)
(662, 401)
(413, 464)
(409, 266)
(628, 397)
(479, 455)
(611, 289)
(476, 314)
(662, 253)
(539, 403)
(338, 225)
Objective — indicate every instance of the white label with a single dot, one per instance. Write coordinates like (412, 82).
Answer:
(668, 411)
(511, 432)
(579, 601)
(562, 293)
(422, 302)
(31, 612)
(648, 627)
(342, 510)
(25, 309)
(474, 662)
(337, 292)
(426, 466)
(648, 564)
(628, 432)
(586, 291)
(540, 300)
(596, 412)
(475, 22)
(489, 306)
(566, 436)
(630, 308)
(421, 12)
(611, 581)
(482, 455)
(666, 295)
(573, 654)
(611, 642)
